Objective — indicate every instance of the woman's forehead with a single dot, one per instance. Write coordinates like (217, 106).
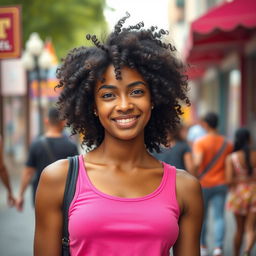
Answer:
(127, 75)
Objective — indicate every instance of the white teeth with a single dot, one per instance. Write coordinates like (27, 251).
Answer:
(123, 121)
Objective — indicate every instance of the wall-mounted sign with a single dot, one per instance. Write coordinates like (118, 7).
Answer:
(13, 78)
(10, 32)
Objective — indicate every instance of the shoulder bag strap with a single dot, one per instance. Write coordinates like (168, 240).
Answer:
(214, 159)
(69, 193)
(48, 149)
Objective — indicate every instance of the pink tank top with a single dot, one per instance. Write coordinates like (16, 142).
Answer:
(100, 224)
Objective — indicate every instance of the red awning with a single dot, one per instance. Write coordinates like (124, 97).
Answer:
(223, 29)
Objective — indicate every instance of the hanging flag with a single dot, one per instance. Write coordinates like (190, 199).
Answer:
(50, 48)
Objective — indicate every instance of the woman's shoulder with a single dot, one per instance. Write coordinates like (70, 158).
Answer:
(188, 188)
(56, 172)
(52, 184)
(184, 179)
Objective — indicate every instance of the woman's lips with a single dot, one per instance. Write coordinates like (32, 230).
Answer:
(126, 122)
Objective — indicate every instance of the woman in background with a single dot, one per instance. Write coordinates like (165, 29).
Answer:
(241, 178)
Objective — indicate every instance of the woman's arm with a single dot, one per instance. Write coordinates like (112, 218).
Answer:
(189, 196)
(49, 197)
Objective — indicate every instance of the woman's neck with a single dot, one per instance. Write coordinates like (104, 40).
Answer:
(118, 152)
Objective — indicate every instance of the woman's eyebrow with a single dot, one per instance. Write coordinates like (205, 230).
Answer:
(109, 86)
(135, 83)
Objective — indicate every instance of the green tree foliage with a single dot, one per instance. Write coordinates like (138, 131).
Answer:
(66, 22)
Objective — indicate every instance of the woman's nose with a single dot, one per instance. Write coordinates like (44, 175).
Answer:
(124, 104)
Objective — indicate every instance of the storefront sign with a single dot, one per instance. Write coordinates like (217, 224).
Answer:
(13, 78)
(10, 32)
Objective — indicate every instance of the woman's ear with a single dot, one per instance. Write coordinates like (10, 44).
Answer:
(95, 112)
(152, 105)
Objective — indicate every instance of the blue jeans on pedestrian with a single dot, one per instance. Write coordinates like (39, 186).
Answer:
(216, 196)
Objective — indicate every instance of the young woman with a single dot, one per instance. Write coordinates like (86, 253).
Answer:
(124, 97)
(241, 177)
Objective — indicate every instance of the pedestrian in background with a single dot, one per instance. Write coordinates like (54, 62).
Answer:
(178, 152)
(210, 152)
(124, 97)
(5, 176)
(241, 178)
(46, 149)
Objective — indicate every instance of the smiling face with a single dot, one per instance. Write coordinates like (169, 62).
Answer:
(123, 106)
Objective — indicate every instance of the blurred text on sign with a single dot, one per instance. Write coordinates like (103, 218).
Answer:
(10, 32)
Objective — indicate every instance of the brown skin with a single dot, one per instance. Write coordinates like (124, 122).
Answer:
(190, 200)
(245, 224)
(120, 166)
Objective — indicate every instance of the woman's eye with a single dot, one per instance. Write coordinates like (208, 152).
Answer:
(107, 95)
(137, 92)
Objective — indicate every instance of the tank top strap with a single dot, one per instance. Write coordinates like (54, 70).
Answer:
(81, 183)
(84, 182)
(169, 190)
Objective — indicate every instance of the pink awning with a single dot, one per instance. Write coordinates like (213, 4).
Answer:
(223, 29)
(227, 17)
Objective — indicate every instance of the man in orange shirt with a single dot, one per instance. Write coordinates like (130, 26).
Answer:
(210, 153)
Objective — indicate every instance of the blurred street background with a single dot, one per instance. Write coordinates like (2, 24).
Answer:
(216, 38)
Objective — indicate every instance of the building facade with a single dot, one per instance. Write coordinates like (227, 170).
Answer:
(219, 45)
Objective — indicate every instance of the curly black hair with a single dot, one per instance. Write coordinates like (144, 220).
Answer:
(135, 47)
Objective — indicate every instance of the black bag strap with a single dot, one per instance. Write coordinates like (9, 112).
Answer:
(69, 193)
(214, 159)
(47, 148)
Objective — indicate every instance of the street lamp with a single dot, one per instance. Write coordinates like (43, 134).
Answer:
(35, 58)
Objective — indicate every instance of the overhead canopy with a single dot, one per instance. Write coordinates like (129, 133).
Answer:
(223, 29)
